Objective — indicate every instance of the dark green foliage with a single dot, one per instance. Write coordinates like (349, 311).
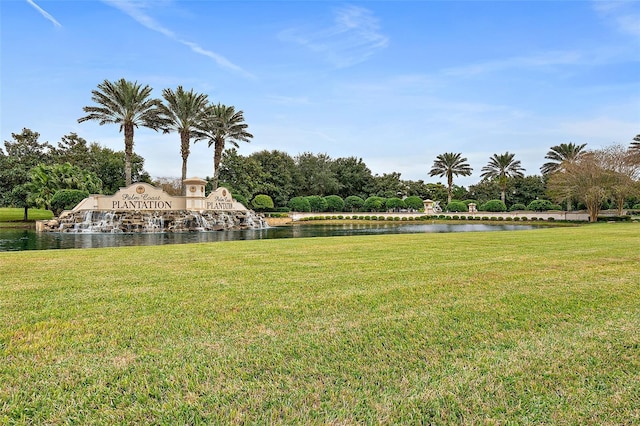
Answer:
(457, 206)
(414, 202)
(374, 204)
(262, 202)
(66, 199)
(540, 205)
(467, 202)
(334, 203)
(494, 206)
(623, 218)
(317, 203)
(394, 204)
(517, 206)
(241, 199)
(353, 203)
(299, 204)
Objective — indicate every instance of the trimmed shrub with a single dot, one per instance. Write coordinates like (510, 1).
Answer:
(414, 202)
(494, 206)
(500, 218)
(353, 203)
(517, 206)
(317, 203)
(457, 206)
(335, 203)
(508, 219)
(299, 204)
(374, 204)
(262, 202)
(540, 205)
(66, 199)
(394, 204)
(516, 219)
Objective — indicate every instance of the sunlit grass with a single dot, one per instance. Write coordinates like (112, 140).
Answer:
(523, 327)
(10, 216)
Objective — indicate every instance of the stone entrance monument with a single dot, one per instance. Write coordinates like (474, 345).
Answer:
(141, 207)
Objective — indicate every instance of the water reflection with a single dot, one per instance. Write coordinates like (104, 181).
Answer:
(21, 239)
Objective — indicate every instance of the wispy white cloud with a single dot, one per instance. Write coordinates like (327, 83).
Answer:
(44, 13)
(354, 36)
(625, 15)
(538, 61)
(137, 11)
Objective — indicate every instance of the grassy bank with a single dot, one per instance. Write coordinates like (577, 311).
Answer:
(523, 327)
(13, 217)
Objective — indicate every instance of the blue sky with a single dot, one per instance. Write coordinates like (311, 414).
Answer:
(392, 82)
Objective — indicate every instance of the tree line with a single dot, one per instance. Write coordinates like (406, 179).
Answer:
(31, 172)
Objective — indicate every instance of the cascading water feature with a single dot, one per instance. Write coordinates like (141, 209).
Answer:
(142, 208)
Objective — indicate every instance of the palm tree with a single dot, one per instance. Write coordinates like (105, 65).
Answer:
(184, 113)
(502, 167)
(450, 164)
(224, 124)
(559, 154)
(127, 104)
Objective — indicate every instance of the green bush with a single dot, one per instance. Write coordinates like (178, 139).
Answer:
(394, 204)
(455, 217)
(494, 206)
(509, 219)
(335, 203)
(540, 205)
(317, 203)
(414, 202)
(262, 202)
(623, 218)
(636, 207)
(353, 203)
(467, 202)
(517, 206)
(374, 204)
(66, 199)
(500, 218)
(457, 206)
(516, 219)
(299, 204)
(524, 218)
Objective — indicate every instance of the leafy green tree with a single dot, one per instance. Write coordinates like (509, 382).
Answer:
(262, 202)
(335, 203)
(240, 174)
(353, 176)
(501, 167)
(279, 178)
(74, 150)
(317, 176)
(184, 112)
(47, 180)
(23, 153)
(525, 189)
(561, 154)
(449, 165)
(224, 124)
(129, 105)
(353, 203)
(388, 185)
(436, 192)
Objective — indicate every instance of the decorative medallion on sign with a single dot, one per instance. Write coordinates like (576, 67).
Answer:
(192, 188)
(140, 189)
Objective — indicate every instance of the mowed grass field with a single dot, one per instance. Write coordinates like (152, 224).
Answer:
(11, 217)
(526, 327)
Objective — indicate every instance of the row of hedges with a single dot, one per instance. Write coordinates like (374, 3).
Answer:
(499, 206)
(334, 203)
(425, 217)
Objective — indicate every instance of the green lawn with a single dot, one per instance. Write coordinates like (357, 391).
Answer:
(10, 217)
(525, 327)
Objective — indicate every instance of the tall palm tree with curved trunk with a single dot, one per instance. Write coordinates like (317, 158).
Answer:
(127, 104)
(224, 124)
(502, 167)
(561, 154)
(184, 112)
(450, 164)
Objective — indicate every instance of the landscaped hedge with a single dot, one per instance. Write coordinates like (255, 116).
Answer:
(493, 206)
(457, 206)
(66, 199)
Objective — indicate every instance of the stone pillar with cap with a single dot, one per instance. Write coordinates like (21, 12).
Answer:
(195, 193)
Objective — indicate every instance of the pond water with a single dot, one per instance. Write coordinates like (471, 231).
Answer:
(23, 239)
